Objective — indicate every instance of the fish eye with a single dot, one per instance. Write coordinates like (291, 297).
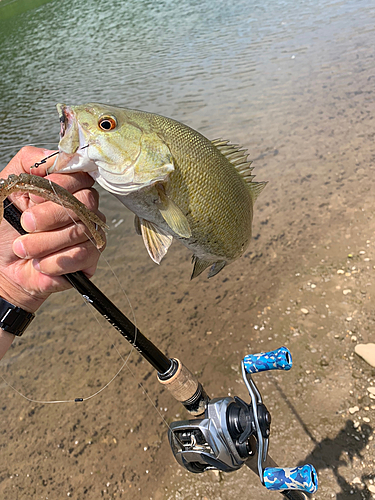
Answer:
(107, 123)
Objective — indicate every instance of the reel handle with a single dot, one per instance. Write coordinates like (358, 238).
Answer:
(279, 359)
(303, 478)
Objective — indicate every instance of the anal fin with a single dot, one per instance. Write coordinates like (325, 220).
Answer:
(156, 240)
(199, 266)
(216, 268)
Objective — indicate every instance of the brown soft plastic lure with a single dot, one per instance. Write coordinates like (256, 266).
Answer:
(53, 192)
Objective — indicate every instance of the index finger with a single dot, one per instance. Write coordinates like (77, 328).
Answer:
(28, 156)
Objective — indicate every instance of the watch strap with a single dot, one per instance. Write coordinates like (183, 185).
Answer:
(13, 319)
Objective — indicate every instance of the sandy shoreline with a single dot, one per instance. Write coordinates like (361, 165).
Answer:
(305, 226)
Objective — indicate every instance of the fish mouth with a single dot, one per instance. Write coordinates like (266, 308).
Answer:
(71, 137)
(63, 119)
(73, 147)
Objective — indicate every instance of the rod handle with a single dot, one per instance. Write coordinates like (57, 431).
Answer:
(279, 359)
(303, 478)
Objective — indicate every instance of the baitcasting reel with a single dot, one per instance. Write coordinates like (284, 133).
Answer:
(233, 433)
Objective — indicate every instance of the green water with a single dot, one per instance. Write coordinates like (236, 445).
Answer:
(13, 8)
(223, 67)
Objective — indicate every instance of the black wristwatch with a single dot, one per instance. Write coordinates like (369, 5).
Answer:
(13, 319)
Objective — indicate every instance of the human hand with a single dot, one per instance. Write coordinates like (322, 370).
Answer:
(32, 265)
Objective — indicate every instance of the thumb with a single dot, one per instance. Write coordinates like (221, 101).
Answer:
(25, 159)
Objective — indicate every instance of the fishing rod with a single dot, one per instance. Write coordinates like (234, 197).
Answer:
(227, 433)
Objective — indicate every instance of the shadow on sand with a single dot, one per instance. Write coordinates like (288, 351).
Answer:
(336, 452)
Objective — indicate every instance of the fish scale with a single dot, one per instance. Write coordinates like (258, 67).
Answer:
(179, 184)
(208, 219)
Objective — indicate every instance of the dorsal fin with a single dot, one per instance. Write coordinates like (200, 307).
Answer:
(238, 158)
(256, 188)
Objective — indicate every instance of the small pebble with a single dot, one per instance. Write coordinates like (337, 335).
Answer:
(367, 352)
(371, 390)
(346, 291)
(340, 271)
(356, 480)
(366, 419)
(371, 488)
(304, 310)
(353, 409)
(119, 222)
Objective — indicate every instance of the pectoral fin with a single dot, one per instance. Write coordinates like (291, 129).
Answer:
(156, 240)
(173, 215)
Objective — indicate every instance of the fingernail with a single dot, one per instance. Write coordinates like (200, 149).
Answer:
(48, 152)
(36, 264)
(28, 222)
(19, 249)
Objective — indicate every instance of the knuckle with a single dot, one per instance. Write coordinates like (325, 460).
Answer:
(89, 197)
(81, 253)
(26, 151)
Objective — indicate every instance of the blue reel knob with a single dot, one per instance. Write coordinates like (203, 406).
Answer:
(303, 478)
(279, 359)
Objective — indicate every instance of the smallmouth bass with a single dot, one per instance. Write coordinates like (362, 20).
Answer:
(178, 183)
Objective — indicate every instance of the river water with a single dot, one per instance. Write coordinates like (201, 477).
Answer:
(225, 68)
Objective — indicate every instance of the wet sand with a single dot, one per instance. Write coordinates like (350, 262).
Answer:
(316, 211)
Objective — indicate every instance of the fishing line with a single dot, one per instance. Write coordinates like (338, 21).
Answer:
(37, 164)
(44, 160)
(125, 361)
(140, 386)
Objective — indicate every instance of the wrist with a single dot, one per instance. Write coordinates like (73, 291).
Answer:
(19, 297)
